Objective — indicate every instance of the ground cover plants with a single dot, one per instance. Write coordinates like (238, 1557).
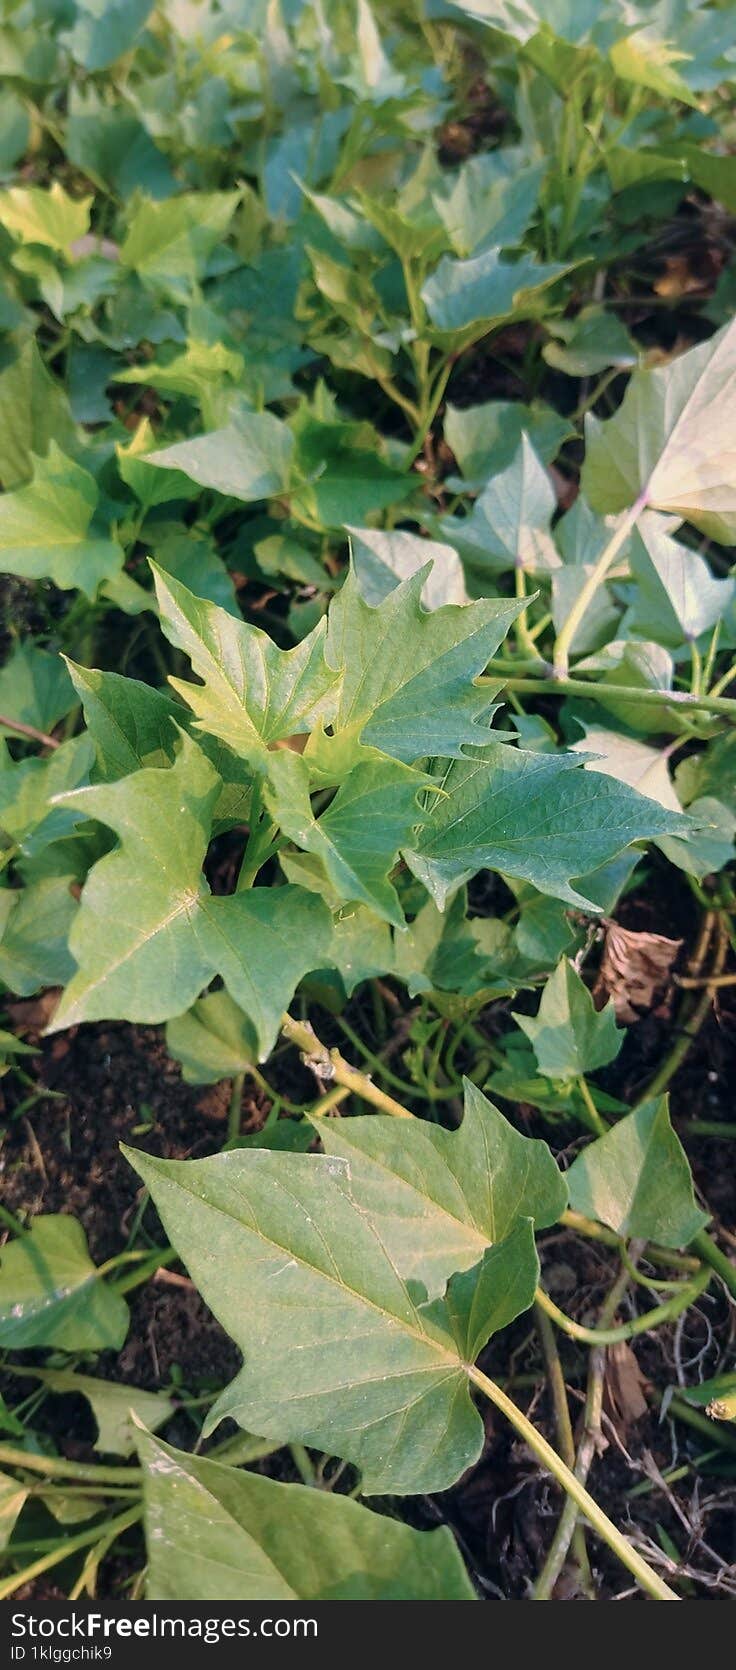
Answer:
(367, 806)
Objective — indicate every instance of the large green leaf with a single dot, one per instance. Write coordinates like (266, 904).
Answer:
(439, 1198)
(51, 1294)
(149, 935)
(636, 1179)
(218, 1533)
(45, 528)
(569, 1036)
(665, 445)
(253, 693)
(337, 1352)
(532, 816)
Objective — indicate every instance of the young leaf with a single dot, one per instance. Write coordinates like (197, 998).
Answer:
(232, 1535)
(532, 816)
(569, 1036)
(51, 1294)
(253, 693)
(112, 1405)
(213, 1040)
(359, 836)
(677, 597)
(45, 528)
(636, 1179)
(338, 1354)
(440, 1198)
(662, 445)
(51, 218)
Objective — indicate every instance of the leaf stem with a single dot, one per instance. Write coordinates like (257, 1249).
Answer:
(28, 730)
(598, 1124)
(595, 579)
(648, 1579)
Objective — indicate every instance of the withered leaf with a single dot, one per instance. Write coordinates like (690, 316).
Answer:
(635, 970)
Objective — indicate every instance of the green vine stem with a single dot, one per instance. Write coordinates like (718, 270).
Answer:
(564, 1535)
(54, 1467)
(595, 579)
(553, 1463)
(559, 685)
(565, 1435)
(71, 1545)
(673, 1307)
(598, 1232)
(330, 1064)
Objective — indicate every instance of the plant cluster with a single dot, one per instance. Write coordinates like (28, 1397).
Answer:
(344, 701)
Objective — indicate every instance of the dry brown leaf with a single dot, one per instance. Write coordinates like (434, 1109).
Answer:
(624, 1385)
(635, 970)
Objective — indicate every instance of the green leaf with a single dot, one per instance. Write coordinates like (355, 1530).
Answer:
(636, 1179)
(569, 1036)
(51, 218)
(298, 1274)
(509, 525)
(45, 528)
(485, 438)
(237, 1536)
(13, 1497)
(33, 412)
(647, 61)
(492, 198)
(589, 343)
(439, 1198)
(662, 445)
(249, 459)
(148, 937)
(104, 29)
(168, 244)
(466, 299)
(116, 1408)
(382, 559)
(51, 1294)
(213, 1040)
(29, 814)
(407, 686)
(131, 724)
(677, 597)
(113, 148)
(34, 935)
(253, 693)
(35, 687)
(532, 816)
(359, 836)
